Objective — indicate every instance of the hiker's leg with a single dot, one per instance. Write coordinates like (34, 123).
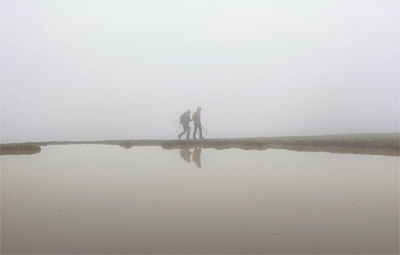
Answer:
(187, 131)
(181, 134)
(195, 130)
(200, 131)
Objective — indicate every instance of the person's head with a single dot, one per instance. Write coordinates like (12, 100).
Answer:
(188, 112)
(198, 109)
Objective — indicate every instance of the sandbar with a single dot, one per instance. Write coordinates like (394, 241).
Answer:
(386, 144)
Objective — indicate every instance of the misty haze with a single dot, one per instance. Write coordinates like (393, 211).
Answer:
(74, 71)
(200, 126)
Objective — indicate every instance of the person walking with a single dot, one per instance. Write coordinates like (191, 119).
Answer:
(197, 123)
(184, 120)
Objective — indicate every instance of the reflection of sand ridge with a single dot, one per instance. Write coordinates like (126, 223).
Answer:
(20, 149)
(373, 144)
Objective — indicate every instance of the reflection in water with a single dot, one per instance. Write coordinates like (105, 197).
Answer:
(94, 199)
(19, 149)
(196, 156)
(185, 154)
(372, 144)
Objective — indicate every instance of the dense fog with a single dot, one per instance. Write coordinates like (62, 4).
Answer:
(103, 70)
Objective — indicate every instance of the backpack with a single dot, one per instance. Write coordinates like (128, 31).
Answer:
(182, 118)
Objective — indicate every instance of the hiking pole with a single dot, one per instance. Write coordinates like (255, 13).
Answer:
(205, 130)
(177, 122)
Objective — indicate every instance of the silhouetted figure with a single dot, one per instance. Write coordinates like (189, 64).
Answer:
(196, 156)
(184, 120)
(197, 123)
(185, 154)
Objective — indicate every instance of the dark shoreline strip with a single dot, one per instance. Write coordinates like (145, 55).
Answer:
(20, 149)
(376, 146)
(373, 144)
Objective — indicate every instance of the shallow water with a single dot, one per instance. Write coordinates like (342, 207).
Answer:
(82, 199)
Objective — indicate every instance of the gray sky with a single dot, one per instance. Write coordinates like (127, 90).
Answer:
(99, 70)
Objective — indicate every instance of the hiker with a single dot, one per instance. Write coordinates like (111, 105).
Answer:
(184, 120)
(197, 123)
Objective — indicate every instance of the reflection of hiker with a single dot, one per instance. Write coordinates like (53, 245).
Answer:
(185, 154)
(197, 123)
(196, 156)
(184, 120)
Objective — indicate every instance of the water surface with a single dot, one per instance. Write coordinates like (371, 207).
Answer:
(82, 199)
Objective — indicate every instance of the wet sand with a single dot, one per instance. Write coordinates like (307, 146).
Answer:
(373, 144)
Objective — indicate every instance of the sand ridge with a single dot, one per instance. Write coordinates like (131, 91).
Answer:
(374, 144)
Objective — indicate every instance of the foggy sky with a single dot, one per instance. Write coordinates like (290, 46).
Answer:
(100, 70)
